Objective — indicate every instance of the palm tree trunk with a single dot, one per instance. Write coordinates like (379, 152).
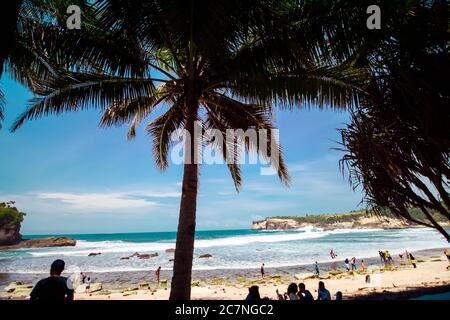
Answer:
(184, 250)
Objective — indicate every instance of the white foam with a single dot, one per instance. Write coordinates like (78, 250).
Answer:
(83, 248)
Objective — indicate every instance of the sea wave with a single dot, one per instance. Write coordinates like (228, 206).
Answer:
(84, 247)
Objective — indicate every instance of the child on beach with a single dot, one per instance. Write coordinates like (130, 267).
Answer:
(363, 265)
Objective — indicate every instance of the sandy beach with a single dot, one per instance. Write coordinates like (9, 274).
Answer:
(399, 281)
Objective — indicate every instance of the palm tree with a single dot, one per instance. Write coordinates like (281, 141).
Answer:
(397, 145)
(224, 63)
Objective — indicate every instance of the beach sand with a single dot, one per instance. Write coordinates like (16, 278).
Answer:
(431, 276)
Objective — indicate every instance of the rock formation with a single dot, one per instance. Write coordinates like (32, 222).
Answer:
(42, 242)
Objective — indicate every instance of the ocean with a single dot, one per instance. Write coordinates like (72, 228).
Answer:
(230, 249)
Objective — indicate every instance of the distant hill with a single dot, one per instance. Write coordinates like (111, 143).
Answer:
(350, 220)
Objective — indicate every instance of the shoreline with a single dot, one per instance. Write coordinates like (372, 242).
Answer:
(233, 283)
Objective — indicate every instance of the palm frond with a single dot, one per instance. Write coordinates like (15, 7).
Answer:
(226, 113)
(82, 91)
(161, 130)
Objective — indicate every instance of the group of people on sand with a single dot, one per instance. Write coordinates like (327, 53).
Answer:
(57, 287)
(386, 257)
(295, 292)
(351, 264)
(407, 255)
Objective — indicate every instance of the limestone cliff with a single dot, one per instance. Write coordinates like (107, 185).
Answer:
(352, 220)
(10, 222)
(41, 242)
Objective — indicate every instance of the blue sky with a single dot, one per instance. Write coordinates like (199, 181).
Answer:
(70, 176)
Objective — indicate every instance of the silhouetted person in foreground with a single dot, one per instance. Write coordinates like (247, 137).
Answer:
(322, 292)
(292, 291)
(304, 294)
(54, 287)
(253, 293)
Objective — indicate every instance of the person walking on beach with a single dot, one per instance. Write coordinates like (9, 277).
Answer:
(88, 284)
(353, 263)
(447, 254)
(322, 292)
(262, 271)
(363, 266)
(412, 260)
(157, 275)
(54, 287)
(316, 267)
(383, 260)
(347, 264)
(304, 294)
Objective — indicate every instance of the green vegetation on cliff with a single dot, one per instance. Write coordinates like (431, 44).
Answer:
(326, 218)
(9, 215)
(354, 215)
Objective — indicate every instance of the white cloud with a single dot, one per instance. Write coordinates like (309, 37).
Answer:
(98, 201)
(156, 194)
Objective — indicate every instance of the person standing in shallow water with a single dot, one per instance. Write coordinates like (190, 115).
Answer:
(55, 287)
(262, 271)
(333, 254)
(316, 267)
